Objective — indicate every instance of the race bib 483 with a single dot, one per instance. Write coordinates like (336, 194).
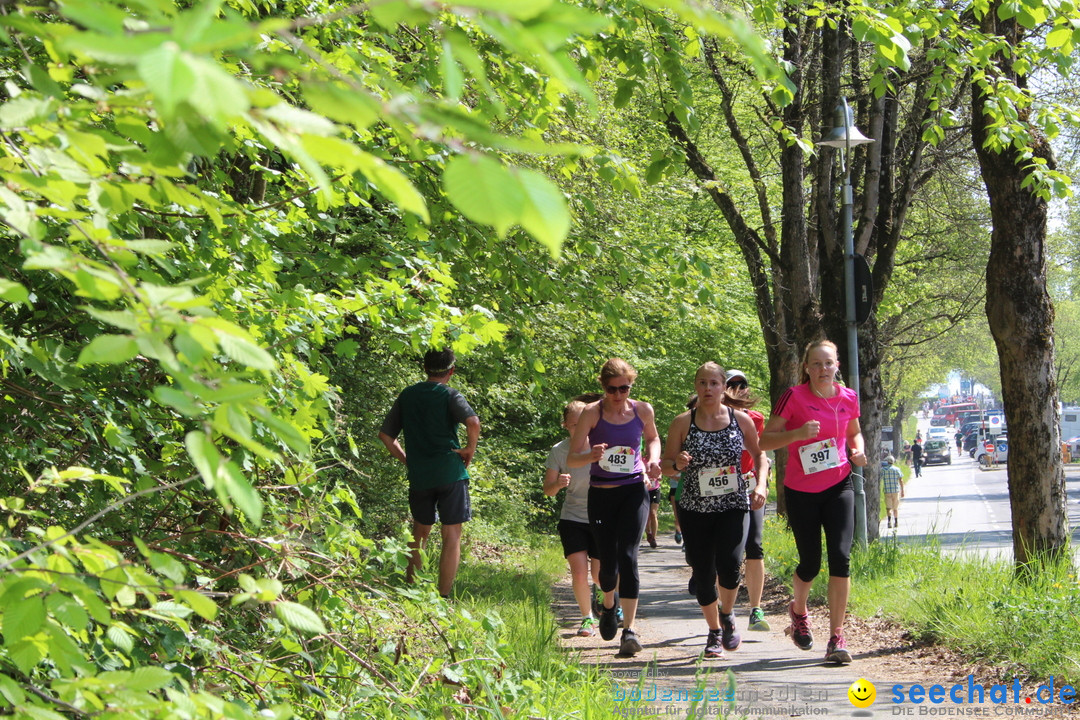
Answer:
(618, 459)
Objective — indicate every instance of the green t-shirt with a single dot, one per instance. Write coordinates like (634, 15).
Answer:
(429, 413)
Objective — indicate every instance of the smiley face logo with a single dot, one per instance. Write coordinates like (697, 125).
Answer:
(862, 693)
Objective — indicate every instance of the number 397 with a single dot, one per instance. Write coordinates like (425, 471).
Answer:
(820, 456)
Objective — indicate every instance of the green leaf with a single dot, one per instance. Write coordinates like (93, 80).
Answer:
(178, 400)
(11, 691)
(109, 350)
(125, 595)
(485, 191)
(546, 215)
(286, 431)
(67, 611)
(120, 638)
(346, 348)
(393, 185)
(344, 104)
(204, 606)
(150, 247)
(204, 455)
(171, 609)
(625, 92)
(147, 678)
(239, 345)
(242, 493)
(23, 617)
(168, 72)
(234, 392)
(518, 9)
(25, 110)
(299, 617)
(25, 654)
(13, 292)
(36, 712)
(391, 12)
(453, 78)
(1059, 36)
(220, 96)
(168, 566)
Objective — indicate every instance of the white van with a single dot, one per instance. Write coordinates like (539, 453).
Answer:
(1070, 422)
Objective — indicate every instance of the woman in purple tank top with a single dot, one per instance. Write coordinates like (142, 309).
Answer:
(611, 435)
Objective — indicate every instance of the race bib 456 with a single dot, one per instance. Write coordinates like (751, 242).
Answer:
(718, 481)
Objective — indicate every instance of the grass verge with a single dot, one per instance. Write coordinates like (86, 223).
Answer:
(974, 604)
(511, 589)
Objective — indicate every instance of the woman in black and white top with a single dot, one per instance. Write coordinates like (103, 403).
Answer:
(706, 444)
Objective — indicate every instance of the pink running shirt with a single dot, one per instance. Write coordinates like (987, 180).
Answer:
(798, 405)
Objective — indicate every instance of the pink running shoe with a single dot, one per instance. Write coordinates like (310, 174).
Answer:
(799, 630)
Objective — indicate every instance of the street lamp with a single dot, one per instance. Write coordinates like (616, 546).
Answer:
(843, 136)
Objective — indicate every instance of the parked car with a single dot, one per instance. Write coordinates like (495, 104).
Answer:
(1000, 453)
(937, 451)
(978, 435)
(938, 433)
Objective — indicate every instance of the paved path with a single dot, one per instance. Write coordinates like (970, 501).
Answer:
(967, 508)
(770, 674)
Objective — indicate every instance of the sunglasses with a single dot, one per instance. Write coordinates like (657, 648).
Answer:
(738, 385)
(612, 389)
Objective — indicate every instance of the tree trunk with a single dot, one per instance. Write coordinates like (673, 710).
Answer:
(898, 430)
(1021, 319)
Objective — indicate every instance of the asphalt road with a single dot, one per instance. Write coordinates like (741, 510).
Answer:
(967, 507)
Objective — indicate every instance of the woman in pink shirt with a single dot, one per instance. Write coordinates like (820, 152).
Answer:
(818, 421)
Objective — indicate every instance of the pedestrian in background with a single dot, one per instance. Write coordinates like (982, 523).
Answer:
(892, 482)
(437, 466)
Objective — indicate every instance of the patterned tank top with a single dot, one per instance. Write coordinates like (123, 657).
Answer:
(714, 481)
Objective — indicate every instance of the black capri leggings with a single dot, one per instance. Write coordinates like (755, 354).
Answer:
(754, 549)
(617, 517)
(714, 548)
(832, 509)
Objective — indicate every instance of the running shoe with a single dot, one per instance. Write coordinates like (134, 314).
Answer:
(618, 612)
(729, 633)
(757, 620)
(713, 646)
(652, 539)
(678, 538)
(588, 627)
(629, 645)
(609, 624)
(836, 651)
(799, 630)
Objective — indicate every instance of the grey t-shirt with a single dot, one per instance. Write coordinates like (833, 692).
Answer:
(576, 504)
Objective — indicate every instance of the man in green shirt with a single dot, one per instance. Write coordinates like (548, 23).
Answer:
(429, 413)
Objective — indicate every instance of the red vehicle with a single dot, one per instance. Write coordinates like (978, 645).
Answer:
(948, 414)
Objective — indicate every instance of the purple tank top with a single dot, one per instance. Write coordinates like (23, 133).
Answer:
(621, 463)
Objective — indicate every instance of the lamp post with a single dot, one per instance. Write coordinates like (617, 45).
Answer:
(844, 136)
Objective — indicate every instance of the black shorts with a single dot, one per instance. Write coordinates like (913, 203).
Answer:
(451, 501)
(576, 537)
(654, 496)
